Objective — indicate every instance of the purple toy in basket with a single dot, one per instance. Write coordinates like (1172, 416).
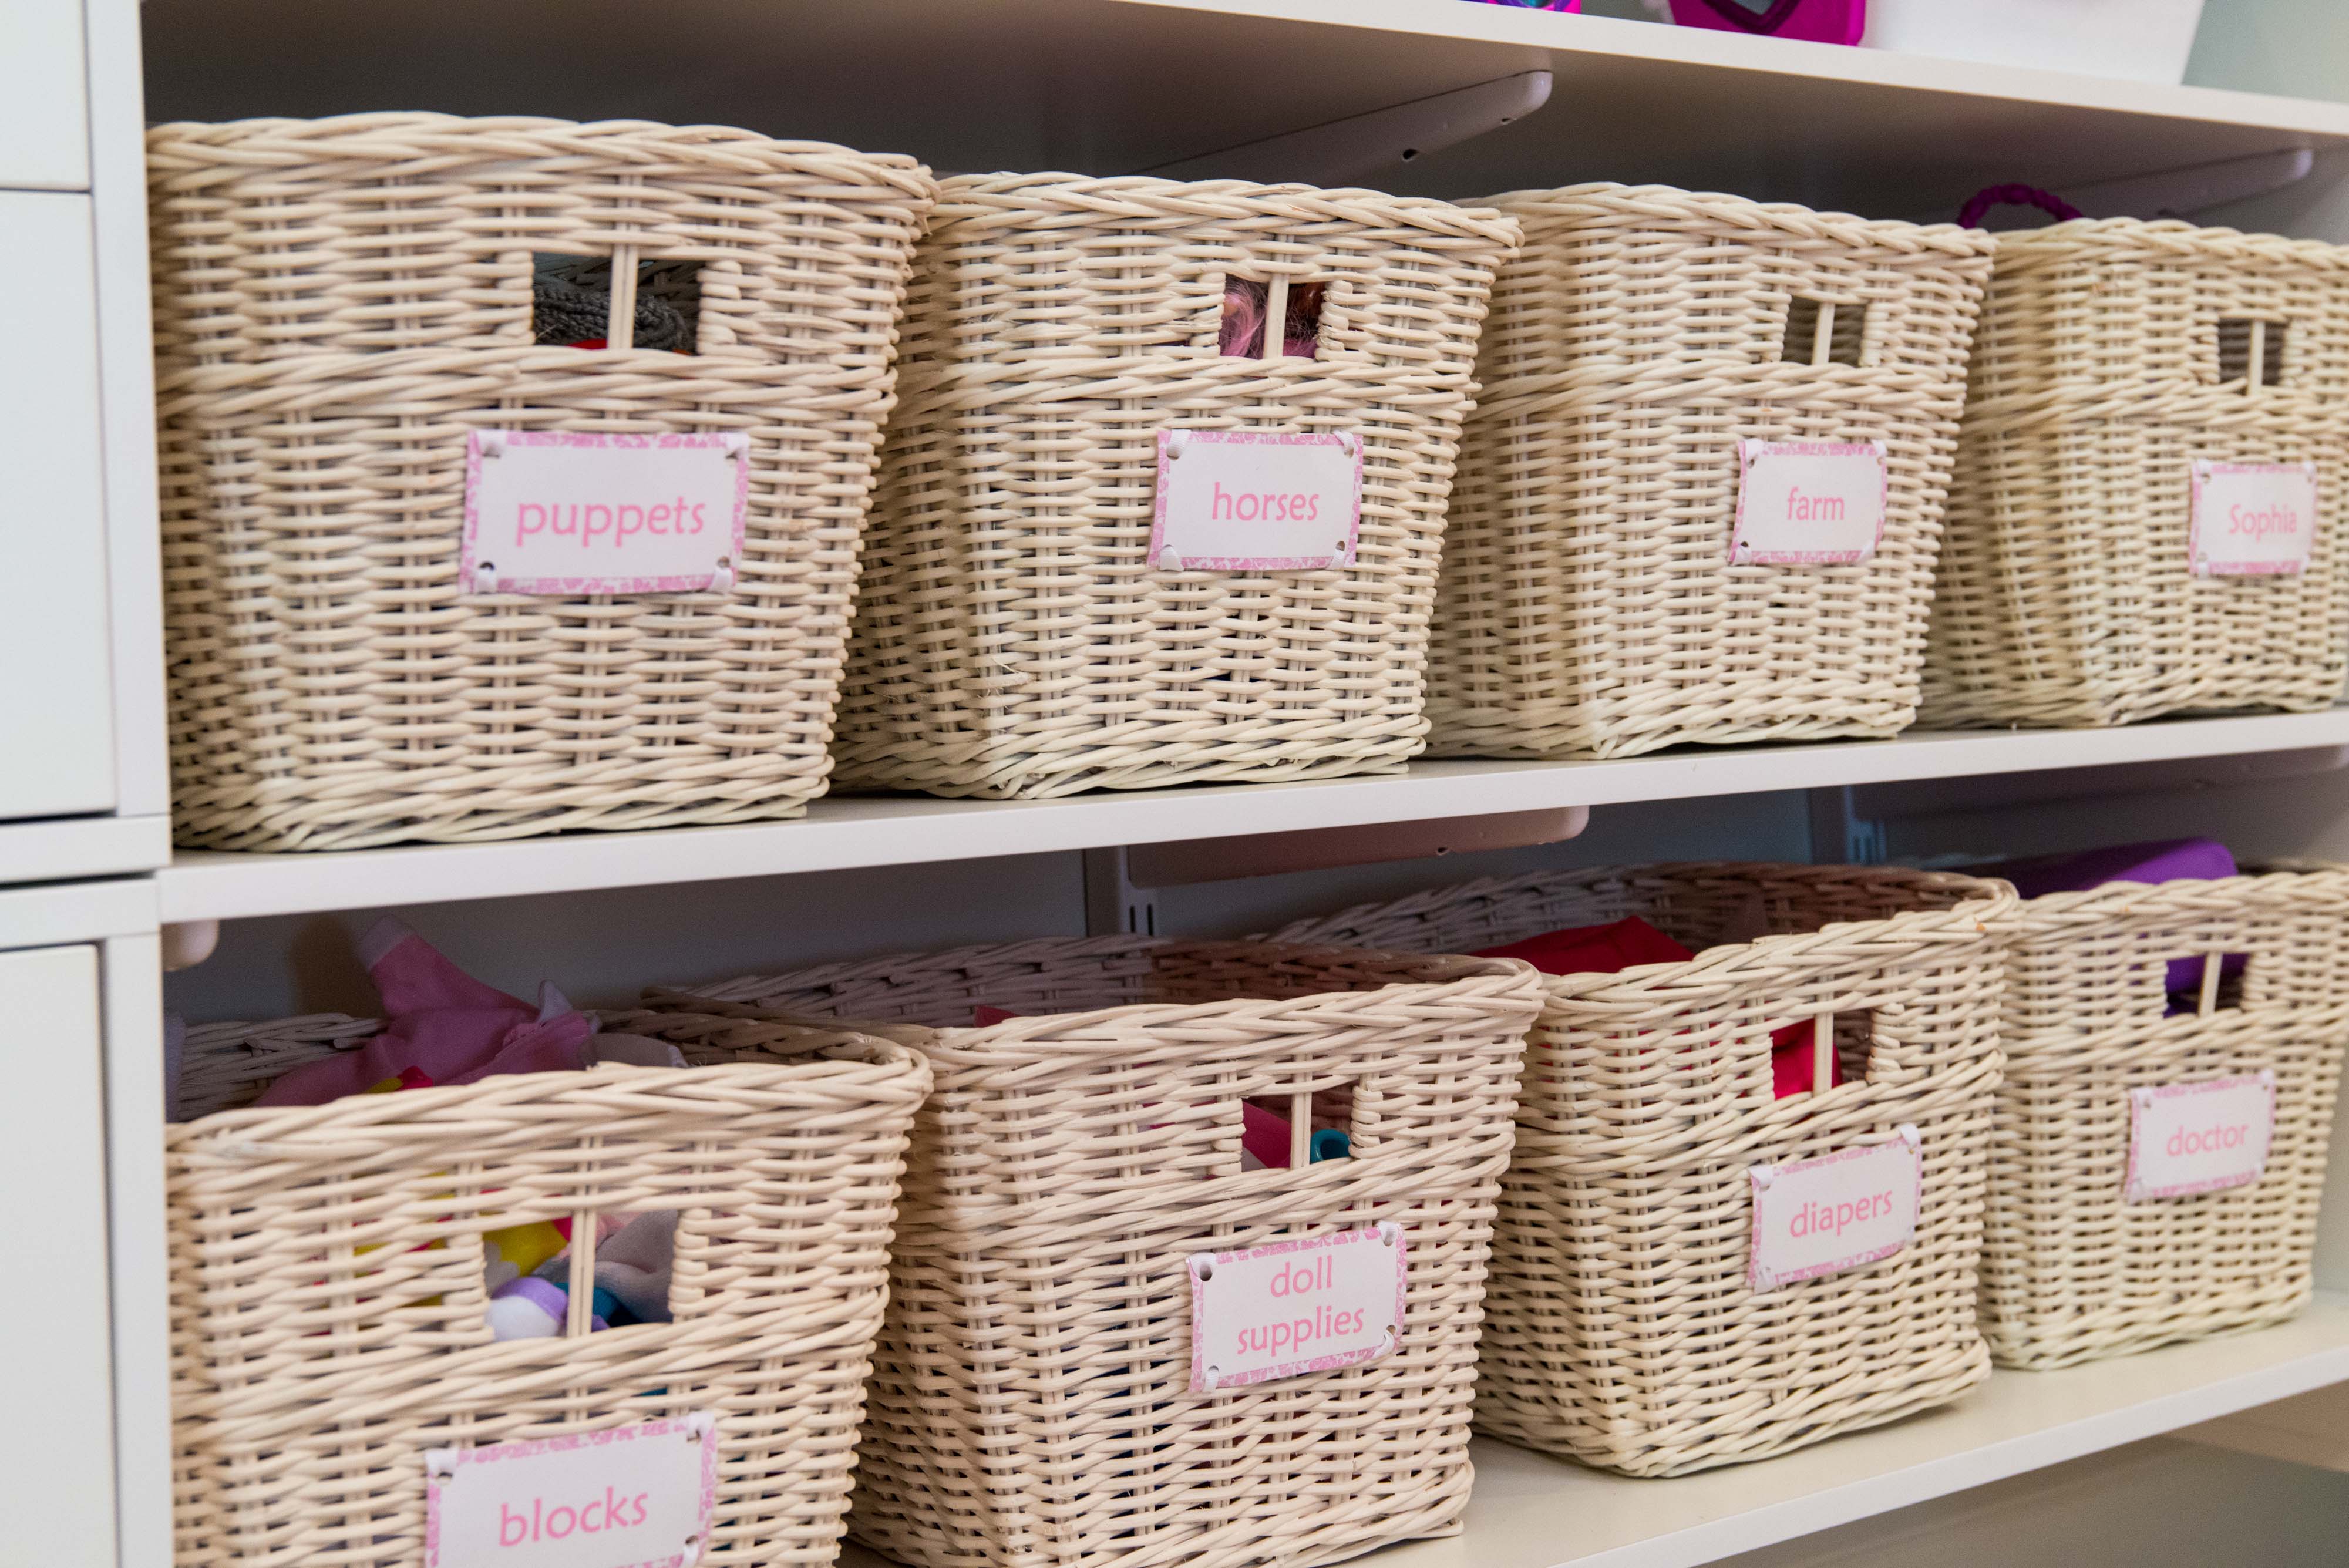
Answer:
(2169, 861)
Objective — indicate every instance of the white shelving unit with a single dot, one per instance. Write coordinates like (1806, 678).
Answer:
(849, 831)
(1102, 87)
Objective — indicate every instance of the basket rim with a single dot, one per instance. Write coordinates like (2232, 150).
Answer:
(969, 200)
(1992, 911)
(1717, 206)
(2157, 239)
(1059, 1037)
(860, 1054)
(2314, 883)
(258, 144)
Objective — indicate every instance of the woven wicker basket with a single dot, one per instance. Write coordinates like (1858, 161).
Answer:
(2113, 356)
(1014, 637)
(327, 1291)
(1032, 1404)
(2071, 1269)
(1619, 1326)
(1589, 604)
(338, 305)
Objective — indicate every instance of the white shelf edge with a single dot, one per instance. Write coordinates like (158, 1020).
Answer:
(1560, 33)
(848, 832)
(1530, 1511)
(63, 849)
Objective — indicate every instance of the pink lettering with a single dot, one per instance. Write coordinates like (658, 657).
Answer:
(1802, 508)
(2259, 523)
(2209, 1140)
(625, 527)
(1833, 1218)
(512, 1528)
(523, 525)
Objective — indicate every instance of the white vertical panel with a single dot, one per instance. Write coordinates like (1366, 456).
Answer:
(133, 980)
(57, 702)
(44, 124)
(57, 1442)
(117, 160)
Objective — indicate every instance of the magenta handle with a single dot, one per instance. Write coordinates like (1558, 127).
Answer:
(2054, 206)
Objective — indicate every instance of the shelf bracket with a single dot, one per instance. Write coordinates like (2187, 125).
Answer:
(2183, 193)
(1344, 151)
(1122, 885)
(1839, 836)
(1115, 907)
(2180, 193)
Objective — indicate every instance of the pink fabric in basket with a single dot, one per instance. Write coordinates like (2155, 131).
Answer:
(440, 1022)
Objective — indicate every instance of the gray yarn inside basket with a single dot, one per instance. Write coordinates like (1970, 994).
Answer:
(570, 302)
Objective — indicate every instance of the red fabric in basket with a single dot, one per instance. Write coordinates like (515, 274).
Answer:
(1627, 943)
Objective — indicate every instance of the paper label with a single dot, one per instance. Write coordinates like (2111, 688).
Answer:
(1295, 1307)
(2200, 1137)
(1255, 501)
(550, 512)
(633, 1496)
(1839, 1211)
(1806, 502)
(2253, 519)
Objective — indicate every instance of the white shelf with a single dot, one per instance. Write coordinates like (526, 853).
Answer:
(1532, 1512)
(856, 831)
(1114, 86)
(1529, 1511)
(61, 848)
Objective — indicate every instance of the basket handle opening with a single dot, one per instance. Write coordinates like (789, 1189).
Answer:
(2251, 351)
(2218, 989)
(1821, 332)
(627, 300)
(1837, 1048)
(1300, 1128)
(1271, 318)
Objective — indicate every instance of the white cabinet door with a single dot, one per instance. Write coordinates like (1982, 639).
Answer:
(56, 727)
(44, 97)
(57, 1438)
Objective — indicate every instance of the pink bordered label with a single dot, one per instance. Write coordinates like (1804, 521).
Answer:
(1256, 501)
(1809, 503)
(556, 512)
(1840, 1211)
(2251, 519)
(632, 1497)
(1295, 1307)
(2200, 1137)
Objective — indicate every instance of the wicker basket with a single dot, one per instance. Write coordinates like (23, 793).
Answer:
(1620, 1328)
(1032, 1404)
(1014, 637)
(338, 305)
(2071, 1269)
(2115, 355)
(1589, 604)
(327, 1291)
